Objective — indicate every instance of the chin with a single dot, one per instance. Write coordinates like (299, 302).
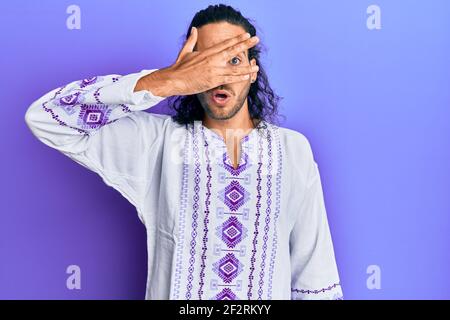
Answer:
(220, 116)
(220, 112)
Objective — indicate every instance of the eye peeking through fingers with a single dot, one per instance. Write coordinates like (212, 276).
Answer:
(235, 61)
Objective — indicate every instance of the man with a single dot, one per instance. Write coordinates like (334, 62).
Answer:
(232, 203)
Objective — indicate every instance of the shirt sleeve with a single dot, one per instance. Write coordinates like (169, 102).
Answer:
(99, 123)
(313, 266)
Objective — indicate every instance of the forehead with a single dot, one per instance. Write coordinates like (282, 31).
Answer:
(213, 33)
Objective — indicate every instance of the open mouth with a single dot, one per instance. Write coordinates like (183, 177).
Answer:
(220, 97)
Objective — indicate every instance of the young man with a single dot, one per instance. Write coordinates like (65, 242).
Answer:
(232, 203)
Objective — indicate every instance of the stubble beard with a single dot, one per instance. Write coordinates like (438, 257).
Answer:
(219, 116)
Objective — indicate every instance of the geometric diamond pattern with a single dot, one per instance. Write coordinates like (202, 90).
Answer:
(231, 232)
(93, 116)
(234, 195)
(228, 268)
(225, 294)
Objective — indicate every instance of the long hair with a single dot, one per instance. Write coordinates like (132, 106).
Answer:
(262, 101)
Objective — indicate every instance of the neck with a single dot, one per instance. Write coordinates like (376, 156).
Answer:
(234, 128)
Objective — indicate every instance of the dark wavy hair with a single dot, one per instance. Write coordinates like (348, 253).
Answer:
(262, 101)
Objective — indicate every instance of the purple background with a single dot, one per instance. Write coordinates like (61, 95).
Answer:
(375, 105)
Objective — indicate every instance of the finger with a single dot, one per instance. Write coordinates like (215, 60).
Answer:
(188, 45)
(191, 41)
(236, 71)
(226, 44)
(238, 48)
(232, 79)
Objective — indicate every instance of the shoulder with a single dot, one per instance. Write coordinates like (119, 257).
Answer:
(297, 154)
(294, 141)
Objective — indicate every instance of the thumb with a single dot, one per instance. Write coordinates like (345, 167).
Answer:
(188, 45)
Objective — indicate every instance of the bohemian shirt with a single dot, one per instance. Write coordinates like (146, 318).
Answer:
(257, 230)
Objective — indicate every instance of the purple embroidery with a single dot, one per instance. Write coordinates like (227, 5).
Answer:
(195, 208)
(206, 219)
(228, 268)
(234, 195)
(97, 96)
(125, 108)
(277, 212)
(268, 214)
(225, 294)
(182, 218)
(71, 99)
(231, 232)
(88, 81)
(258, 206)
(56, 117)
(241, 167)
(67, 103)
(93, 116)
(317, 291)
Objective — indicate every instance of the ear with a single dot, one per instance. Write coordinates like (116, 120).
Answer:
(254, 74)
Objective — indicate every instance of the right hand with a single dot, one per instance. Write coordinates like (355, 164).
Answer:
(198, 71)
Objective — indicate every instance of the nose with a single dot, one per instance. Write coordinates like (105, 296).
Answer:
(223, 87)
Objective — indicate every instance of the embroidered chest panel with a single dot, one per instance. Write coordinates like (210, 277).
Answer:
(227, 225)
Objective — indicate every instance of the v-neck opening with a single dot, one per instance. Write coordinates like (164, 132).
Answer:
(243, 140)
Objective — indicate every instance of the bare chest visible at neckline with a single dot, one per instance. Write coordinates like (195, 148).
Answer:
(234, 152)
